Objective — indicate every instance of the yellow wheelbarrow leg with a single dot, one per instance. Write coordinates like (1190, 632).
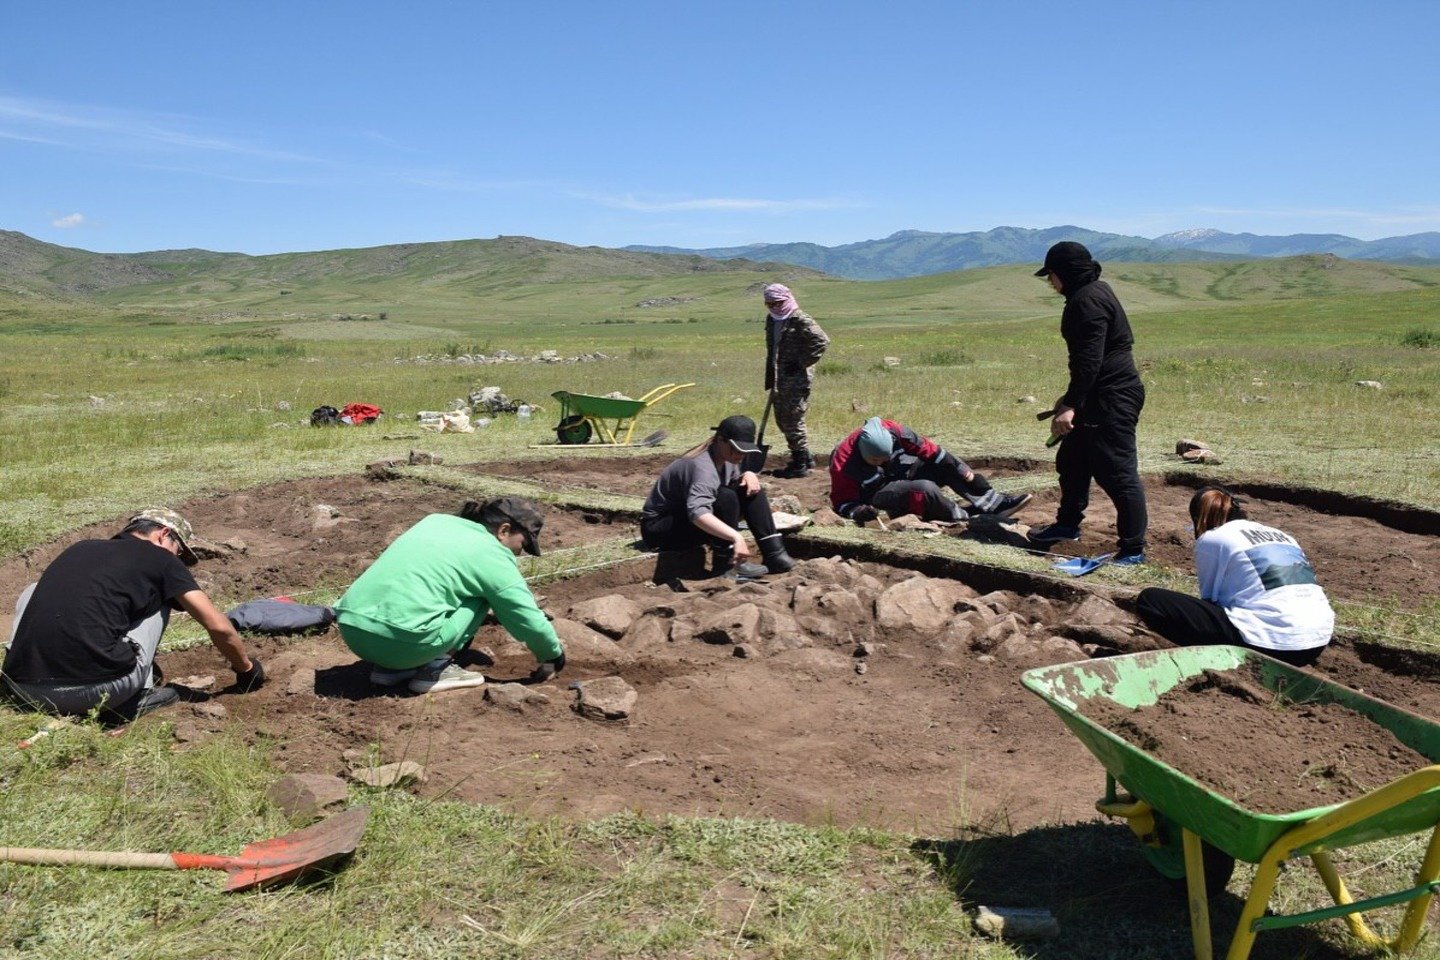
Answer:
(1413, 924)
(1196, 892)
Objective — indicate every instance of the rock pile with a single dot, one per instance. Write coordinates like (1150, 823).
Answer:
(504, 356)
(873, 611)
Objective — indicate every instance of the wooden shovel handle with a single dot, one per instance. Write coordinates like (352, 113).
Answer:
(89, 858)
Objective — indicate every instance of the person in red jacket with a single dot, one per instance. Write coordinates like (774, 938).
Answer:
(885, 465)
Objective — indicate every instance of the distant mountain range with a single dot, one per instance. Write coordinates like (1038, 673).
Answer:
(912, 253)
(30, 267)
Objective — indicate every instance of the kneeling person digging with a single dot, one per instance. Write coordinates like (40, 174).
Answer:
(86, 633)
(699, 499)
(426, 595)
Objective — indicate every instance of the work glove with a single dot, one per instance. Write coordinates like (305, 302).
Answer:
(913, 470)
(864, 513)
(548, 669)
(248, 680)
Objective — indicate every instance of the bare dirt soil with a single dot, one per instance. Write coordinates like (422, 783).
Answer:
(843, 691)
(1361, 550)
(1270, 755)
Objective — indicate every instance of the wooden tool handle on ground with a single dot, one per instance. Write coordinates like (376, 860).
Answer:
(89, 858)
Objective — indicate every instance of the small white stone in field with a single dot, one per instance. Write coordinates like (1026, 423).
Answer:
(1370, 384)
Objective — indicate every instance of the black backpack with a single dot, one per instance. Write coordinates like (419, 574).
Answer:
(324, 417)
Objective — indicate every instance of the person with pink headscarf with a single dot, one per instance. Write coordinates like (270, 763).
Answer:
(794, 343)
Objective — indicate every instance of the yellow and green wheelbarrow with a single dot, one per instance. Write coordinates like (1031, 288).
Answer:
(612, 419)
(1189, 830)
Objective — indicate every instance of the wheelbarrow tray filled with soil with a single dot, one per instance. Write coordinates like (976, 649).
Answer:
(1140, 680)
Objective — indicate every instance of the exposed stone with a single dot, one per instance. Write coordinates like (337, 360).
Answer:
(786, 503)
(1183, 445)
(892, 361)
(781, 631)
(681, 631)
(514, 696)
(825, 517)
(588, 647)
(390, 774)
(382, 469)
(608, 698)
(425, 458)
(210, 709)
(999, 601)
(210, 550)
(647, 632)
(610, 615)
(304, 796)
(301, 681)
(997, 633)
(1061, 650)
(909, 523)
(957, 635)
(1016, 647)
(1370, 384)
(922, 604)
(734, 626)
(861, 667)
(1095, 610)
(746, 651)
(809, 599)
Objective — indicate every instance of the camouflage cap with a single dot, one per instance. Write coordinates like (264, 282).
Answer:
(176, 524)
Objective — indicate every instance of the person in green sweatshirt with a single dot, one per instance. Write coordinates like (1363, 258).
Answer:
(425, 596)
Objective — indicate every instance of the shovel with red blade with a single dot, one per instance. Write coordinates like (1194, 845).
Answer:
(262, 864)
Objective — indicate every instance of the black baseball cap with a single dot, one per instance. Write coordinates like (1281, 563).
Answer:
(1062, 253)
(524, 515)
(740, 431)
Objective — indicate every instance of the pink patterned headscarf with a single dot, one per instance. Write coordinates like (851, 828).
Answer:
(780, 301)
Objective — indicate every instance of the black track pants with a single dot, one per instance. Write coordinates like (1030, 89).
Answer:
(1188, 621)
(676, 532)
(1106, 454)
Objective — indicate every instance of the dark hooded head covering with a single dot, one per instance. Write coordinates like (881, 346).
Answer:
(1072, 263)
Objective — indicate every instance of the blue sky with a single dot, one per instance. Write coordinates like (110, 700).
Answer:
(263, 126)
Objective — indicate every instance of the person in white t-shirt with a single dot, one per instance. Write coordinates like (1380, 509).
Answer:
(1257, 588)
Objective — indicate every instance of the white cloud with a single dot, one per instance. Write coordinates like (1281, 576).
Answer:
(89, 127)
(69, 221)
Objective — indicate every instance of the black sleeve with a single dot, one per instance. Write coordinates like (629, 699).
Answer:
(175, 580)
(1084, 326)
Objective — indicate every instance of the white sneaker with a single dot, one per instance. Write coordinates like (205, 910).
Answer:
(451, 676)
(382, 677)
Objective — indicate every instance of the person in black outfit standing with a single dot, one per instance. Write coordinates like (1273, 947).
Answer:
(1097, 415)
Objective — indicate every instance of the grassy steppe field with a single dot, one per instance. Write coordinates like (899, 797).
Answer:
(161, 392)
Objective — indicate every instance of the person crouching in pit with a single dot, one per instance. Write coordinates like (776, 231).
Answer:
(699, 499)
(426, 595)
(885, 465)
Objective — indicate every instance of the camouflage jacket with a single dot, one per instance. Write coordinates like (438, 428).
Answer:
(799, 346)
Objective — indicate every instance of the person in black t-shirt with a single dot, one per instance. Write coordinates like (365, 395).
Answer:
(86, 633)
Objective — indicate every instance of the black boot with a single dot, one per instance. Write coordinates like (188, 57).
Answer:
(799, 466)
(723, 565)
(777, 559)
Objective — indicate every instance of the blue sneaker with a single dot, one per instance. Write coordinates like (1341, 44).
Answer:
(1128, 560)
(1054, 534)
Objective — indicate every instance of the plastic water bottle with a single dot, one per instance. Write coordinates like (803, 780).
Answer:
(524, 410)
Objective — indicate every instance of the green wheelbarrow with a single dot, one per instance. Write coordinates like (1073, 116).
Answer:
(612, 419)
(1179, 820)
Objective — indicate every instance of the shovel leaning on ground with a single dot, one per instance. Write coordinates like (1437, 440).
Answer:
(755, 462)
(262, 864)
